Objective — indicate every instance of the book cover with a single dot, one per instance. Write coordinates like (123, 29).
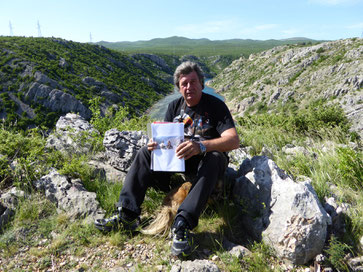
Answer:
(167, 136)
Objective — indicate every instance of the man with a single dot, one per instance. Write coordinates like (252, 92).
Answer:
(209, 132)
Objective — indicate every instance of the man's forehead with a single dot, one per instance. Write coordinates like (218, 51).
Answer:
(192, 74)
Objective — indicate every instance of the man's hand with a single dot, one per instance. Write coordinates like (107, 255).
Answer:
(187, 149)
(151, 145)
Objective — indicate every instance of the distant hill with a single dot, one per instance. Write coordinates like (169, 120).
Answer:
(201, 47)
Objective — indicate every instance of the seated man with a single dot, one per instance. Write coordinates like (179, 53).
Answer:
(209, 132)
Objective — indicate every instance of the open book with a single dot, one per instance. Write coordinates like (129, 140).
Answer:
(167, 136)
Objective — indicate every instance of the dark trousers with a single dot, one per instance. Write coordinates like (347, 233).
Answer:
(207, 168)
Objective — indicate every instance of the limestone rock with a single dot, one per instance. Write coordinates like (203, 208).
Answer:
(235, 250)
(5, 215)
(106, 171)
(195, 266)
(70, 196)
(122, 146)
(43, 79)
(56, 100)
(285, 214)
(72, 132)
(10, 198)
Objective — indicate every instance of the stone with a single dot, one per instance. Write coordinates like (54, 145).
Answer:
(356, 264)
(5, 215)
(338, 213)
(285, 214)
(195, 266)
(70, 196)
(235, 250)
(122, 146)
(71, 134)
(10, 198)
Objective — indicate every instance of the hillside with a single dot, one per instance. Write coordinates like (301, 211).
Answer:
(201, 47)
(43, 78)
(292, 78)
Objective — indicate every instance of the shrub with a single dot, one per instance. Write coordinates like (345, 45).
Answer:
(350, 167)
(336, 252)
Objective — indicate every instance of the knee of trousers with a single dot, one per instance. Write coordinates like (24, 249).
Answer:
(215, 159)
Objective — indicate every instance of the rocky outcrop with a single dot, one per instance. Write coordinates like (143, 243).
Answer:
(122, 146)
(286, 215)
(56, 100)
(332, 71)
(73, 134)
(70, 196)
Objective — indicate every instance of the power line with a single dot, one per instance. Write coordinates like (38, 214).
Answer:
(11, 29)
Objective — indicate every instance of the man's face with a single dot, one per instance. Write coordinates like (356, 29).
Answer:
(190, 88)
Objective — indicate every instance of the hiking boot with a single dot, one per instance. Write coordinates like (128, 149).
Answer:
(118, 221)
(180, 233)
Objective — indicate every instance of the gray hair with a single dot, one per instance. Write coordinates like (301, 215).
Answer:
(186, 68)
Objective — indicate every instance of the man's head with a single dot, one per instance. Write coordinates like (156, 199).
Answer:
(189, 79)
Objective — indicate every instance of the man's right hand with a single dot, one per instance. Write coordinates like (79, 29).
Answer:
(151, 145)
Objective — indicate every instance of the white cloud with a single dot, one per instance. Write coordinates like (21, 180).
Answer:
(335, 2)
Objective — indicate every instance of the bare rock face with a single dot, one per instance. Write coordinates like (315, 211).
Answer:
(122, 146)
(286, 215)
(70, 196)
(56, 100)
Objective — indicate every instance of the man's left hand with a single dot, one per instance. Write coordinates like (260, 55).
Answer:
(187, 149)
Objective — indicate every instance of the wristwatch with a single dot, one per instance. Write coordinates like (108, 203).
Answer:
(202, 147)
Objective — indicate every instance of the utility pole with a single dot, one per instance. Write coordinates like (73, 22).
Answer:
(11, 29)
(90, 37)
(39, 32)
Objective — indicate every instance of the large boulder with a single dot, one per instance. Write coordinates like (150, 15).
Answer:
(73, 134)
(122, 146)
(70, 196)
(285, 214)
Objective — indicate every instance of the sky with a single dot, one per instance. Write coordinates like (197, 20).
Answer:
(134, 20)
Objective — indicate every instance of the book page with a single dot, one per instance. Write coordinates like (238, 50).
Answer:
(167, 136)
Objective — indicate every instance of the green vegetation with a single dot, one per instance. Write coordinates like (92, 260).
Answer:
(179, 46)
(65, 65)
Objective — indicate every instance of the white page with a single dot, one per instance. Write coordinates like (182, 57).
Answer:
(168, 136)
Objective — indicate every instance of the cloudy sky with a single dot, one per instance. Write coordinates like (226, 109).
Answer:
(132, 20)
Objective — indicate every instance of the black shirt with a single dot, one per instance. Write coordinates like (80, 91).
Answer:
(207, 120)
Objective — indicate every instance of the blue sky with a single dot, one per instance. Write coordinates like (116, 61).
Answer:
(132, 20)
